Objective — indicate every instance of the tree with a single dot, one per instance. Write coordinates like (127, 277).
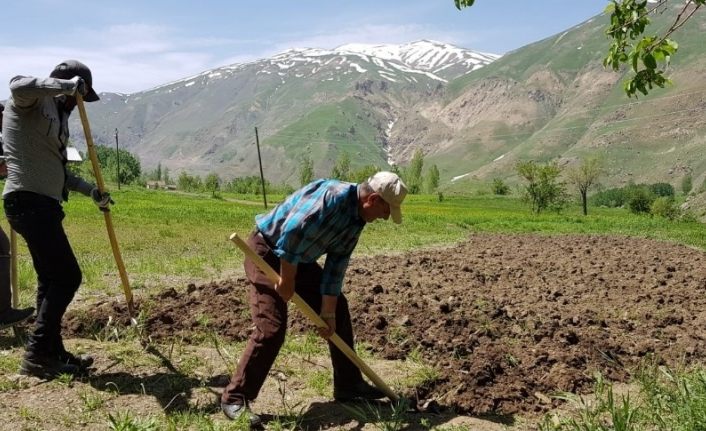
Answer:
(342, 168)
(432, 179)
(130, 169)
(648, 56)
(662, 189)
(664, 207)
(247, 185)
(413, 174)
(362, 174)
(640, 200)
(543, 189)
(212, 183)
(306, 170)
(584, 177)
(189, 183)
(500, 188)
(687, 183)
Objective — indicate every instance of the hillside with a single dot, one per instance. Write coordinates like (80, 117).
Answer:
(553, 99)
(304, 102)
(473, 114)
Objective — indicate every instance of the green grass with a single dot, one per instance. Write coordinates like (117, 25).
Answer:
(666, 399)
(326, 131)
(168, 239)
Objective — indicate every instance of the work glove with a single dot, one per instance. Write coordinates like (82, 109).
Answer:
(80, 86)
(103, 200)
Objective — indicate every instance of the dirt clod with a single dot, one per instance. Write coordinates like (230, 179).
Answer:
(504, 319)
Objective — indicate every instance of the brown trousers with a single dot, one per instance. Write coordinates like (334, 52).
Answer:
(269, 316)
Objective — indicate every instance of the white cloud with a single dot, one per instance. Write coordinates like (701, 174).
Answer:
(133, 57)
(123, 58)
(374, 34)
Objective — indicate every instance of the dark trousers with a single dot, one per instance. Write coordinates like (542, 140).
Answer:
(269, 315)
(5, 275)
(38, 220)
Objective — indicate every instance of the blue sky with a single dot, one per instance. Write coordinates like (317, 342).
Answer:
(135, 45)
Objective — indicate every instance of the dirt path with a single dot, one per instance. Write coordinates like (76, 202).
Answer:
(506, 319)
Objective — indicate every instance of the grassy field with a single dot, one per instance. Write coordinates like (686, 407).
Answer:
(168, 238)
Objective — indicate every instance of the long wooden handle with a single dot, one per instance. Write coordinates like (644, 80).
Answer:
(108, 219)
(14, 276)
(318, 321)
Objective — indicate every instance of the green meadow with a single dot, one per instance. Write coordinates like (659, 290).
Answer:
(168, 239)
(172, 238)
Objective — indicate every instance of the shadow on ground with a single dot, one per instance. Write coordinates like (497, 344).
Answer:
(172, 389)
(382, 414)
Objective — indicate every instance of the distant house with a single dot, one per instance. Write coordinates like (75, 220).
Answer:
(156, 185)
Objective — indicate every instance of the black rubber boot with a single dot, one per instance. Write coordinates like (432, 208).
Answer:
(83, 362)
(359, 391)
(48, 367)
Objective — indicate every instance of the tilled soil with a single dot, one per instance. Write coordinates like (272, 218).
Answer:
(507, 319)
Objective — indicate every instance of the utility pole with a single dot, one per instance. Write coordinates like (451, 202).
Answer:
(117, 155)
(262, 176)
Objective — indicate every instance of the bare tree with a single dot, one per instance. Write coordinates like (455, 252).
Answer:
(584, 176)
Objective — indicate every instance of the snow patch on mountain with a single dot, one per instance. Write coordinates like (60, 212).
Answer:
(426, 55)
(409, 62)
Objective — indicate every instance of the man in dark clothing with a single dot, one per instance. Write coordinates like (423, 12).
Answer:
(8, 316)
(36, 132)
(324, 217)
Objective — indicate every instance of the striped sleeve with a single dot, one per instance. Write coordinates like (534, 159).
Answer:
(334, 272)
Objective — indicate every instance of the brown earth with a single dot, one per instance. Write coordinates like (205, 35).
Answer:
(507, 319)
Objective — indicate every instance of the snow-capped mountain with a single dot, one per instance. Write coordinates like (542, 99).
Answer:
(322, 99)
(411, 62)
(439, 58)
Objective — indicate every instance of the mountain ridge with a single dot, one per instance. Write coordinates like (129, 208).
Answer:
(549, 100)
(296, 85)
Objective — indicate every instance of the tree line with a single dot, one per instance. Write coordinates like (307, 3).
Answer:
(109, 159)
(544, 185)
(544, 189)
(413, 176)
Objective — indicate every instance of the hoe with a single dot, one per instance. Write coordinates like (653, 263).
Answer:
(106, 213)
(311, 314)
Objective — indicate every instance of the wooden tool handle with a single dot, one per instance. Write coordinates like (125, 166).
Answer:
(108, 219)
(318, 321)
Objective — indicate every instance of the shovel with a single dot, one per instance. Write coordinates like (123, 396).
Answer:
(106, 212)
(318, 321)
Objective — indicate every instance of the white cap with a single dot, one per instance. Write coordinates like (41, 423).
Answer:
(392, 190)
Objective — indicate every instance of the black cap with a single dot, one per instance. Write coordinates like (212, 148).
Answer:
(70, 68)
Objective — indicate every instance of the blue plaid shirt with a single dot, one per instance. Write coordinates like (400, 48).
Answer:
(321, 218)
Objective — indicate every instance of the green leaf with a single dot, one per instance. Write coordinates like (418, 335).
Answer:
(649, 61)
(633, 59)
(672, 44)
(460, 4)
(659, 55)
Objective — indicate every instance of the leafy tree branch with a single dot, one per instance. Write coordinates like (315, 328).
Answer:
(647, 56)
